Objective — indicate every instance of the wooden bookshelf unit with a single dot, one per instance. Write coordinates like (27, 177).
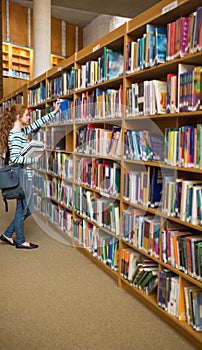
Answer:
(17, 61)
(121, 155)
(56, 59)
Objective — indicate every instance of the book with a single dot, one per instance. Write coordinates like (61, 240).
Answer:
(155, 186)
(152, 285)
(134, 259)
(112, 64)
(148, 277)
(160, 93)
(156, 145)
(161, 44)
(199, 260)
(197, 306)
(188, 302)
(171, 93)
(33, 149)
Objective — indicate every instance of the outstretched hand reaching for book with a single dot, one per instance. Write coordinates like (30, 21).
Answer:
(57, 107)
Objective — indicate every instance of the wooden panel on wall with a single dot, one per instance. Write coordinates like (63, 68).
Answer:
(11, 84)
(3, 19)
(56, 35)
(18, 30)
(70, 39)
(18, 24)
(80, 38)
(31, 29)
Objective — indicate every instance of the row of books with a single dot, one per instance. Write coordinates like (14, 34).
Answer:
(180, 298)
(62, 85)
(183, 146)
(99, 174)
(159, 44)
(181, 92)
(60, 164)
(182, 198)
(39, 203)
(142, 231)
(144, 145)
(181, 37)
(100, 244)
(18, 99)
(106, 67)
(36, 113)
(60, 192)
(148, 50)
(39, 183)
(105, 212)
(176, 197)
(177, 147)
(60, 217)
(189, 88)
(99, 104)
(16, 74)
(144, 187)
(184, 35)
(37, 95)
(94, 139)
(193, 303)
(141, 273)
(146, 98)
(182, 249)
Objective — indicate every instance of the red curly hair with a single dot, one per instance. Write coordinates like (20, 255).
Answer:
(7, 121)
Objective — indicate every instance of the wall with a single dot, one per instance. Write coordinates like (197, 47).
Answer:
(100, 26)
(96, 29)
(19, 29)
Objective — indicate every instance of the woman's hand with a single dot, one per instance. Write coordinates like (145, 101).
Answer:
(57, 107)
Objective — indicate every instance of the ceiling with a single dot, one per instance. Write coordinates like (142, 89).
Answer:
(82, 12)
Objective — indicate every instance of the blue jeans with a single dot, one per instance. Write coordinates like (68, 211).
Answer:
(24, 208)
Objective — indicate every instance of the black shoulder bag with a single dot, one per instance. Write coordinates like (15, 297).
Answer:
(11, 182)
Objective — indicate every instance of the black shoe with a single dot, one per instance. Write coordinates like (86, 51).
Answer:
(30, 246)
(4, 239)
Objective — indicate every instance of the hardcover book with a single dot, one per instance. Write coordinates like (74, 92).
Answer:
(33, 149)
(160, 93)
(161, 44)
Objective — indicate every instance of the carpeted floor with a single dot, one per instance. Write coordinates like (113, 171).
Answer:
(54, 298)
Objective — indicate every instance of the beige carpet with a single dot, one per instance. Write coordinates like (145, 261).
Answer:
(54, 298)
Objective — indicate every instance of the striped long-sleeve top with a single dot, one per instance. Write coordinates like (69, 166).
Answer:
(17, 140)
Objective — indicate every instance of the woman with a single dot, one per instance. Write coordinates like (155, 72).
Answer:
(15, 126)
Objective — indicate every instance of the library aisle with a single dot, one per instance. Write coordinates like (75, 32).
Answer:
(55, 298)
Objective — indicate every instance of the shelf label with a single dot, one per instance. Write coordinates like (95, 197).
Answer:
(59, 69)
(169, 7)
(95, 48)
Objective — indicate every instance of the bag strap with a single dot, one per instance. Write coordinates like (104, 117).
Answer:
(6, 205)
(6, 161)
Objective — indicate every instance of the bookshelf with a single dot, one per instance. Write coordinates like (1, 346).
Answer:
(5, 58)
(17, 61)
(90, 176)
(56, 59)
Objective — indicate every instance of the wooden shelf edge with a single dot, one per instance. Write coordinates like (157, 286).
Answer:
(181, 326)
(98, 262)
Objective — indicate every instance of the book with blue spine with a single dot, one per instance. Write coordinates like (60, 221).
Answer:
(161, 44)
